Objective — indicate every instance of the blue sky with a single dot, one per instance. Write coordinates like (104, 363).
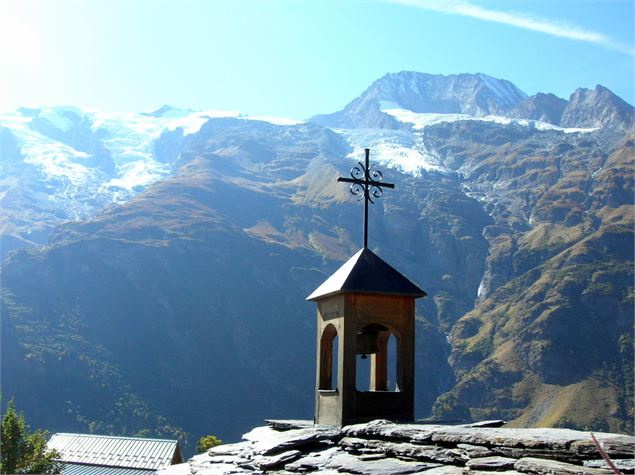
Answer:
(298, 58)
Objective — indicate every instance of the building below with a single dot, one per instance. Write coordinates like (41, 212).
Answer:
(87, 454)
(383, 447)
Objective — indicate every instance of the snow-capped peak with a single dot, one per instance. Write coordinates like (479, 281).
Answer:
(475, 94)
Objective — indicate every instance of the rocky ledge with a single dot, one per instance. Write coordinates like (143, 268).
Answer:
(384, 447)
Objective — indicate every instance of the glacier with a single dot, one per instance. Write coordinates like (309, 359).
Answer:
(129, 138)
(398, 149)
(420, 120)
(86, 182)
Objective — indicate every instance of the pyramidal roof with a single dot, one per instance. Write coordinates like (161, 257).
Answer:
(366, 273)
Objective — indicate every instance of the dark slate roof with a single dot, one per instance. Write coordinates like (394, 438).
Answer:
(367, 273)
(387, 448)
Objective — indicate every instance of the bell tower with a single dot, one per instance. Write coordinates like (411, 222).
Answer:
(359, 308)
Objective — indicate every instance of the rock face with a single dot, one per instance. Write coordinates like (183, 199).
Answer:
(596, 108)
(542, 107)
(384, 447)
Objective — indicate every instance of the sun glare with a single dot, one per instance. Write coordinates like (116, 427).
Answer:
(22, 45)
(19, 44)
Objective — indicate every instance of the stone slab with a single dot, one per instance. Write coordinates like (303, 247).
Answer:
(288, 424)
(496, 463)
(445, 470)
(492, 423)
(228, 449)
(235, 459)
(178, 469)
(474, 451)
(489, 472)
(520, 452)
(616, 445)
(221, 469)
(267, 462)
(269, 441)
(386, 430)
(546, 439)
(280, 459)
(351, 464)
(625, 465)
(549, 467)
(312, 461)
(430, 453)
(553, 439)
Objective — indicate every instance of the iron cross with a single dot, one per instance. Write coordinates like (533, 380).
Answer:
(369, 184)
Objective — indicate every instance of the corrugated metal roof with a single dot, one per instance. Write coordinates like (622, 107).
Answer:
(122, 452)
(367, 273)
(80, 469)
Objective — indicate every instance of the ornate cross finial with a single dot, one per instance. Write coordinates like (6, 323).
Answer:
(367, 183)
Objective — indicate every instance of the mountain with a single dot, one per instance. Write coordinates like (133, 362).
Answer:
(597, 108)
(178, 306)
(476, 96)
(219, 287)
(473, 94)
(541, 107)
(64, 164)
(548, 341)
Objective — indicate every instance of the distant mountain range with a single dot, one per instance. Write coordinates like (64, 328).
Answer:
(155, 265)
(477, 95)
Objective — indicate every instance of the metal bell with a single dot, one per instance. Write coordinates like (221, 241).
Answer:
(367, 343)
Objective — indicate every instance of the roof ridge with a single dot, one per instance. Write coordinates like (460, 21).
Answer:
(74, 434)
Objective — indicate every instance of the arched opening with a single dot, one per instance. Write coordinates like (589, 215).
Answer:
(329, 351)
(377, 359)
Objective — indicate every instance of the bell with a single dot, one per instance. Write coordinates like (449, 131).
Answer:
(367, 343)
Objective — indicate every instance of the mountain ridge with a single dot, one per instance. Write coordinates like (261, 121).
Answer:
(506, 225)
(109, 158)
(477, 95)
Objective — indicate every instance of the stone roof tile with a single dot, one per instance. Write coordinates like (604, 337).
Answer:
(384, 447)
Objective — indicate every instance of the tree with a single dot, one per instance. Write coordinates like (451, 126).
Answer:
(22, 452)
(207, 442)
